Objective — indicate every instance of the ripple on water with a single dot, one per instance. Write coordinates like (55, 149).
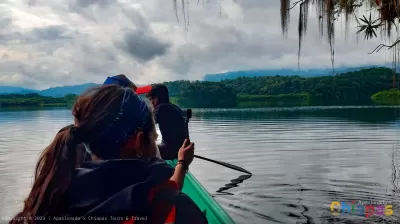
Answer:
(302, 159)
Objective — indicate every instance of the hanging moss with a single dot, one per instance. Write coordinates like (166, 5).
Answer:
(328, 11)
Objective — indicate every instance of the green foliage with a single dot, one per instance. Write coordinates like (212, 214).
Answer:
(202, 94)
(387, 97)
(35, 100)
(173, 100)
(343, 89)
(70, 99)
(352, 88)
(292, 99)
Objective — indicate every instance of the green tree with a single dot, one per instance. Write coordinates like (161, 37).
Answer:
(387, 97)
(34, 100)
(343, 89)
(202, 94)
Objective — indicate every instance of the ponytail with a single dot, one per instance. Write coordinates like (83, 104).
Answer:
(53, 174)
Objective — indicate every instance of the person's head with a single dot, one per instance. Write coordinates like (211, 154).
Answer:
(120, 80)
(112, 122)
(158, 94)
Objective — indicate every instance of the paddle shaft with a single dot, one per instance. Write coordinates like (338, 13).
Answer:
(228, 165)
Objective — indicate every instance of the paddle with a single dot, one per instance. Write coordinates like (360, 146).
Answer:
(228, 165)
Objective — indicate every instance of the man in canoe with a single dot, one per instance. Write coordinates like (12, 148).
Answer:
(168, 116)
(170, 119)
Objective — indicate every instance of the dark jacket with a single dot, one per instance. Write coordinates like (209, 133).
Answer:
(171, 121)
(120, 188)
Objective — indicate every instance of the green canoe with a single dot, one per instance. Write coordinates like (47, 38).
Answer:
(214, 212)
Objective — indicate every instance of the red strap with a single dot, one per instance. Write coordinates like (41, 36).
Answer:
(171, 216)
(160, 206)
(131, 221)
(168, 184)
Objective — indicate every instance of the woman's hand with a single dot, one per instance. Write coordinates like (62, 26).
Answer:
(186, 152)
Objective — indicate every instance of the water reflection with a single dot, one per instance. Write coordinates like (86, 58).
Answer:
(377, 114)
(301, 159)
(233, 183)
(395, 172)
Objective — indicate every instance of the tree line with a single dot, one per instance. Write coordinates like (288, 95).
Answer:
(367, 86)
(35, 100)
(351, 88)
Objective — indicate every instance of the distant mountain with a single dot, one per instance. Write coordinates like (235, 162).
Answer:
(61, 91)
(15, 89)
(280, 72)
(58, 91)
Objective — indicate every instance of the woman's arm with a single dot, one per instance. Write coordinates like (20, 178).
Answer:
(185, 158)
(179, 175)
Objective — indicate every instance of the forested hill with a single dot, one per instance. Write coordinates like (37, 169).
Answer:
(365, 81)
(282, 72)
(362, 87)
(343, 89)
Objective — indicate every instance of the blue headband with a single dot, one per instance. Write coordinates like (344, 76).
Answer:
(117, 81)
(131, 117)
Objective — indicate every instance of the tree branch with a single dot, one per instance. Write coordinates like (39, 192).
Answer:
(380, 46)
(294, 4)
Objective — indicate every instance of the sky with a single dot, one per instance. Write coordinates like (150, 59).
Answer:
(66, 42)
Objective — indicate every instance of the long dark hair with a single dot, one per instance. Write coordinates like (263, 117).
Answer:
(92, 111)
(81, 154)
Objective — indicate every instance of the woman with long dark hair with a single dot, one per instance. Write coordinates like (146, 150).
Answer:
(124, 182)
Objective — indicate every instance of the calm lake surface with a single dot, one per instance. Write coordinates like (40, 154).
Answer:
(302, 159)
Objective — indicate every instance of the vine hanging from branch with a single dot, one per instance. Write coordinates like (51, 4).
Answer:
(328, 12)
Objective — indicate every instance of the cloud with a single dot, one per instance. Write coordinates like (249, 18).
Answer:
(37, 35)
(61, 42)
(5, 22)
(87, 3)
(142, 46)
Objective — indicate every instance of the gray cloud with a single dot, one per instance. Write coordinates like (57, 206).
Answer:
(4, 57)
(32, 2)
(5, 22)
(143, 46)
(60, 42)
(86, 3)
(141, 43)
(36, 35)
(50, 33)
(137, 19)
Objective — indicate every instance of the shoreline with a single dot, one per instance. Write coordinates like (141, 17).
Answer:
(300, 107)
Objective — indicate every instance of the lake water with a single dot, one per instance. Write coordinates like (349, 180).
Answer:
(302, 159)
